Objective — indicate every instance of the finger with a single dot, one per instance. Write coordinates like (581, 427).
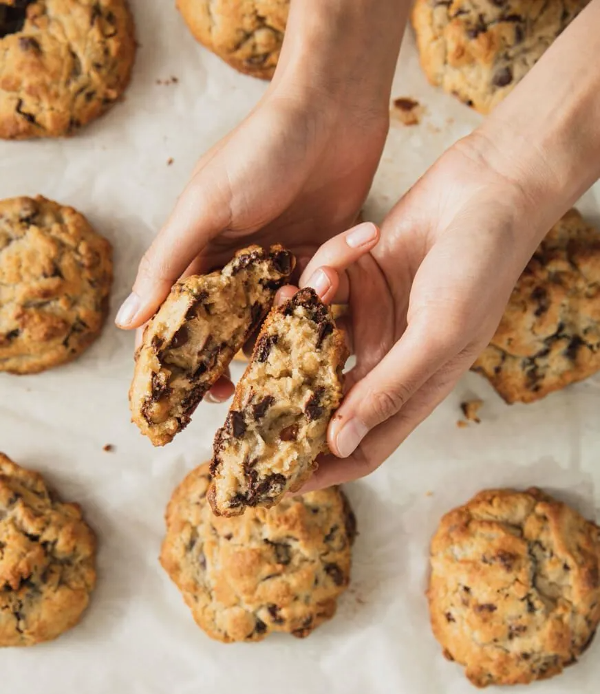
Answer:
(338, 254)
(222, 390)
(425, 347)
(285, 294)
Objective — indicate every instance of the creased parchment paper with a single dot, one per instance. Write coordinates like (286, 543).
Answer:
(138, 637)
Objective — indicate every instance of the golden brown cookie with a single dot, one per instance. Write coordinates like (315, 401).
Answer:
(280, 569)
(47, 560)
(549, 335)
(514, 593)
(277, 423)
(247, 34)
(479, 50)
(62, 63)
(55, 279)
(195, 334)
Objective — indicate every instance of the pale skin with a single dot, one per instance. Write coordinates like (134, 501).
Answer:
(427, 290)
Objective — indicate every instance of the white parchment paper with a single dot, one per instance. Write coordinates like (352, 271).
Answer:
(137, 636)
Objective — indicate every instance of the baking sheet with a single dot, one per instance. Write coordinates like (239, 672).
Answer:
(138, 637)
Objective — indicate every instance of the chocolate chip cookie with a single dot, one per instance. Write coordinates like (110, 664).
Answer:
(47, 560)
(194, 336)
(549, 335)
(514, 593)
(55, 280)
(479, 50)
(277, 424)
(62, 63)
(279, 569)
(247, 34)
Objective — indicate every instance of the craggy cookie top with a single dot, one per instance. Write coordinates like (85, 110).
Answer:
(47, 560)
(280, 569)
(195, 334)
(247, 34)
(549, 335)
(479, 50)
(55, 279)
(514, 593)
(62, 63)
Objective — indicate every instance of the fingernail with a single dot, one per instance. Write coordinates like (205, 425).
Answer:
(319, 282)
(128, 310)
(348, 439)
(361, 235)
(209, 397)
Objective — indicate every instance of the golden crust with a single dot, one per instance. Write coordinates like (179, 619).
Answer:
(246, 34)
(549, 335)
(514, 592)
(47, 560)
(272, 570)
(64, 64)
(55, 279)
(479, 50)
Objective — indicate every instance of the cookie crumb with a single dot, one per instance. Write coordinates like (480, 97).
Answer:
(108, 448)
(408, 111)
(170, 161)
(461, 424)
(428, 493)
(470, 409)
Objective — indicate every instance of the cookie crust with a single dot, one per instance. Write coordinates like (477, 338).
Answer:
(195, 334)
(63, 63)
(514, 592)
(47, 560)
(246, 34)
(275, 570)
(478, 50)
(549, 336)
(277, 423)
(55, 280)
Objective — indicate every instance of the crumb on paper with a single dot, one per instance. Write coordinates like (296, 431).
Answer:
(428, 493)
(108, 448)
(170, 161)
(461, 424)
(408, 111)
(168, 81)
(470, 410)
(433, 129)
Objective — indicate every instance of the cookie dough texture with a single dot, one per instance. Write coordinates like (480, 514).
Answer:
(247, 34)
(280, 569)
(55, 280)
(549, 335)
(62, 63)
(195, 334)
(479, 50)
(514, 593)
(277, 424)
(47, 560)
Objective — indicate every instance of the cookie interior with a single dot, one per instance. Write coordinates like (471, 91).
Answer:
(12, 17)
(278, 422)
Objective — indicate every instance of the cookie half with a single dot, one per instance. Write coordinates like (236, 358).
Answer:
(55, 280)
(279, 569)
(195, 334)
(64, 63)
(549, 335)
(514, 593)
(246, 34)
(277, 424)
(47, 560)
(479, 50)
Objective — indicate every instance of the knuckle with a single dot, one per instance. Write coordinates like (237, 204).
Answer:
(383, 404)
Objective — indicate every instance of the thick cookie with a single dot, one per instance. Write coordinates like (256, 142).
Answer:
(479, 50)
(247, 34)
(194, 336)
(55, 279)
(280, 569)
(277, 424)
(514, 593)
(63, 63)
(47, 560)
(549, 335)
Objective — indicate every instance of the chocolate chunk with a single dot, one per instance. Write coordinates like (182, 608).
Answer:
(282, 261)
(12, 18)
(26, 43)
(283, 553)
(325, 329)
(507, 559)
(274, 614)
(260, 627)
(540, 296)
(405, 104)
(519, 33)
(479, 28)
(313, 408)
(260, 409)
(335, 573)
(573, 347)
(289, 433)
(449, 618)
(515, 630)
(160, 386)
(271, 486)
(503, 77)
(331, 534)
(485, 607)
(237, 424)
(29, 117)
(156, 343)
(264, 347)
(10, 335)
(180, 338)
(199, 301)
